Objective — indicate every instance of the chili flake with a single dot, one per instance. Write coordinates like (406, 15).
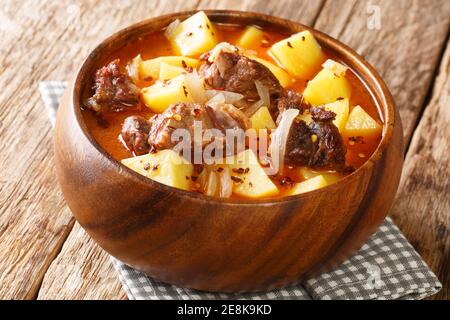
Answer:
(236, 179)
(240, 170)
(357, 139)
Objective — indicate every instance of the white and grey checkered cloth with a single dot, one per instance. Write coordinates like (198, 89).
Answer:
(386, 267)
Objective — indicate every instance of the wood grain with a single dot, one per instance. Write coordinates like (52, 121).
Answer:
(405, 49)
(81, 271)
(39, 43)
(422, 209)
(305, 12)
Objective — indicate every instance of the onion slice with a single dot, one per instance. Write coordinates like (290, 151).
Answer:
(217, 99)
(196, 87)
(249, 111)
(263, 92)
(170, 30)
(226, 184)
(264, 99)
(212, 184)
(279, 137)
(222, 47)
(215, 182)
(227, 96)
(133, 68)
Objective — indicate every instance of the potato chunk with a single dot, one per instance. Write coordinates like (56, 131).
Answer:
(262, 119)
(194, 35)
(360, 123)
(340, 108)
(163, 93)
(249, 178)
(251, 38)
(327, 86)
(308, 185)
(282, 76)
(335, 67)
(305, 116)
(308, 173)
(167, 72)
(151, 68)
(300, 54)
(165, 166)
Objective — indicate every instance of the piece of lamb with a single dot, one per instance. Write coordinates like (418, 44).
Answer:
(290, 99)
(135, 132)
(236, 73)
(318, 145)
(113, 90)
(183, 115)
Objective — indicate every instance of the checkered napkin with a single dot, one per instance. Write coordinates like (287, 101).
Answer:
(386, 267)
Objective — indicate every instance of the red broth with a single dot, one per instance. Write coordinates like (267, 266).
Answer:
(155, 45)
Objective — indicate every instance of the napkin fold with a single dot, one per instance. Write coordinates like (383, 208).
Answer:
(386, 267)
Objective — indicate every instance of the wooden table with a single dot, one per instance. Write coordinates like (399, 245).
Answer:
(44, 253)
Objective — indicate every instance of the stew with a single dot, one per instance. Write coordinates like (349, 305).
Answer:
(232, 111)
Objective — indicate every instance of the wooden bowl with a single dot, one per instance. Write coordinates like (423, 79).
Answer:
(210, 244)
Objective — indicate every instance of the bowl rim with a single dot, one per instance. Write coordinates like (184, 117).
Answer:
(383, 98)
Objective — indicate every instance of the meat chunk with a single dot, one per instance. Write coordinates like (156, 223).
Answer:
(234, 72)
(322, 115)
(290, 99)
(183, 115)
(176, 116)
(135, 132)
(330, 150)
(299, 146)
(114, 90)
(318, 145)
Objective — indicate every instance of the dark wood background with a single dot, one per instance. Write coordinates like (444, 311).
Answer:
(45, 254)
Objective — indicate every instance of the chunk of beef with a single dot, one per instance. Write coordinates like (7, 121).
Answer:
(114, 90)
(135, 132)
(290, 99)
(318, 145)
(330, 150)
(322, 115)
(299, 146)
(176, 116)
(234, 72)
(183, 115)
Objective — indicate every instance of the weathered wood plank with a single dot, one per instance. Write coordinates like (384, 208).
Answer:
(81, 271)
(43, 41)
(402, 39)
(305, 12)
(422, 208)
